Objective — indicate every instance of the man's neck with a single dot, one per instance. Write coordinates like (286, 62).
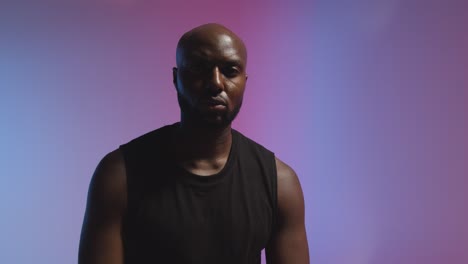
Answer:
(201, 147)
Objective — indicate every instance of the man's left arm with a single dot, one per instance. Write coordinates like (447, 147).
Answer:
(289, 243)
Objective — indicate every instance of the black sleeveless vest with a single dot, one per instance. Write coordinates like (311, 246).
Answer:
(174, 216)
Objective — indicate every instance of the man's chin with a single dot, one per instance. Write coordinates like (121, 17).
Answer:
(219, 120)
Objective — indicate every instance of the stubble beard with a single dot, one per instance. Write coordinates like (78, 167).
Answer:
(204, 119)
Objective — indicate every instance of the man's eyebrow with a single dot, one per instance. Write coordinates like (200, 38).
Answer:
(236, 62)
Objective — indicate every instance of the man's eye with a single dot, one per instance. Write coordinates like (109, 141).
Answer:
(231, 71)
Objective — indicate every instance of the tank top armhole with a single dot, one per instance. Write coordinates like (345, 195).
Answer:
(125, 232)
(135, 154)
(123, 149)
(274, 194)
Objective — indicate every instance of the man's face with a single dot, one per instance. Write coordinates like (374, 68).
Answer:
(210, 78)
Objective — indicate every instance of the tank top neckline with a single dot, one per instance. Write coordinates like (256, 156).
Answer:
(209, 181)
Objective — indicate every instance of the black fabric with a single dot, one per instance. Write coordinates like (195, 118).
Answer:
(174, 216)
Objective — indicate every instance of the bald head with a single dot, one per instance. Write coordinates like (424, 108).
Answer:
(212, 37)
(210, 76)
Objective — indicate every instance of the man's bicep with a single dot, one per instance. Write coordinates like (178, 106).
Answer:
(289, 242)
(101, 240)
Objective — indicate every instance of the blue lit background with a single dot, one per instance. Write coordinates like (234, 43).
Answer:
(366, 100)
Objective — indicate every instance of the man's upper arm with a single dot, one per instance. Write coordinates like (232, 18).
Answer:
(289, 243)
(101, 240)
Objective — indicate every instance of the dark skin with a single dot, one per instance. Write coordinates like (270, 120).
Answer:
(210, 80)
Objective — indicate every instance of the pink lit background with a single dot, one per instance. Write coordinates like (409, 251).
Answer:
(366, 99)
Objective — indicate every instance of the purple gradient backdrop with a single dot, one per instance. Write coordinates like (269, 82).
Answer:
(367, 100)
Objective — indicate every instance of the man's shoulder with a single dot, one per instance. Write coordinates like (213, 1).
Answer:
(250, 143)
(157, 135)
(282, 168)
(108, 183)
(149, 146)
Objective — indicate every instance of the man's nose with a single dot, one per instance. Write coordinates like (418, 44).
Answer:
(216, 84)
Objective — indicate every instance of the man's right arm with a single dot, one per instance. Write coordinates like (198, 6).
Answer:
(101, 241)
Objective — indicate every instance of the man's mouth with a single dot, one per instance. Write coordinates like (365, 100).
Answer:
(215, 102)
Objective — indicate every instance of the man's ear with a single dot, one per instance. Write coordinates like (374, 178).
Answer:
(246, 77)
(174, 76)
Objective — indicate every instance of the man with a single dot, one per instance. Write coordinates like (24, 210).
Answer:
(196, 191)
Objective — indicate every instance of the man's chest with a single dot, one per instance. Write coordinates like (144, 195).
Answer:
(192, 221)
